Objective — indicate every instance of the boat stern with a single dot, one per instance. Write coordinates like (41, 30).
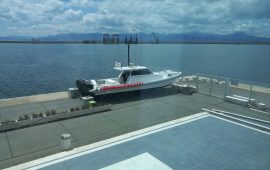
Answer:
(85, 86)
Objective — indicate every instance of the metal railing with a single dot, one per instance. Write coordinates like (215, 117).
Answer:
(222, 86)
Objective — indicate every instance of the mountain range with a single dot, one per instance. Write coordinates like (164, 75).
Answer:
(238, 37)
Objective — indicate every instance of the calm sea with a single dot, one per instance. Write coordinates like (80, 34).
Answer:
(27, 69)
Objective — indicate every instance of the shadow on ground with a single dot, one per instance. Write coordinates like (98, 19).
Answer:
(135, 95)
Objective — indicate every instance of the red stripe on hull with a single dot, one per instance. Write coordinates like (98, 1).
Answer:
(121, 86)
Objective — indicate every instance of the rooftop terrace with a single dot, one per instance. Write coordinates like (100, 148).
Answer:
(135, 111)
(199, 141)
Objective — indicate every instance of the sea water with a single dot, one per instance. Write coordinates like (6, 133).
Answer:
(27, 69)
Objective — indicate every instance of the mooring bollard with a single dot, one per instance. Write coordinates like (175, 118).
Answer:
(66, 141)
(73, 93)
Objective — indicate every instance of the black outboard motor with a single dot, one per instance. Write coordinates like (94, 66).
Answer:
(84, 86)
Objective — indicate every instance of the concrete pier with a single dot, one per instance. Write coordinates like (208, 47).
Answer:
(33, 99)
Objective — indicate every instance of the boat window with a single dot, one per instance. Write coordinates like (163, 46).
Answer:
(140, 72)
(124, 76)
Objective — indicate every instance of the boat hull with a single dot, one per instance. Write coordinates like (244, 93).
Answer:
(135, 86)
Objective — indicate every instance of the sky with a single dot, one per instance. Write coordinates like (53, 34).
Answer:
(51, 17)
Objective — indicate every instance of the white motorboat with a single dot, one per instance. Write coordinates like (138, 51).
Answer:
(131, 78)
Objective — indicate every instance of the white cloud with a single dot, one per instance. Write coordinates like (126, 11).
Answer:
(80, 3)
(69, 15)
(29, 11)
(210, 16)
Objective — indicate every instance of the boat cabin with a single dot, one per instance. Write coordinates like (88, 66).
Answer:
(128, 71)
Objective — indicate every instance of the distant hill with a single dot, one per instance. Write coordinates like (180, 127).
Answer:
(15, 38)
(238, 37)
(73, 37)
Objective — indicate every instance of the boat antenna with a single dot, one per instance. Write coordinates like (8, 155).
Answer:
(128, 56)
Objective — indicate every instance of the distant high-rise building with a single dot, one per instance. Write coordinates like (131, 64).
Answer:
(106, 38)
(115, 39)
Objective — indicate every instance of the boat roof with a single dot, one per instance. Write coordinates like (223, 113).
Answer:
(130, 68)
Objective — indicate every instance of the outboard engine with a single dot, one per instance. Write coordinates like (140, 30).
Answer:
(84, 86)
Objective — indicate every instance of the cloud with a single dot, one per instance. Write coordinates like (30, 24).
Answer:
(251, 9)
(69, 15)
(80, 3)
(29, 11)
(117, 16)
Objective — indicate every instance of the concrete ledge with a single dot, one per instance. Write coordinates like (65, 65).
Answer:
(251, 101)
(237, 100)
(245, 101)
(261, 106)
(51, 118)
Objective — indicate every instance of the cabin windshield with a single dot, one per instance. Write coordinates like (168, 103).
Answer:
(140, 72)
(124, 76)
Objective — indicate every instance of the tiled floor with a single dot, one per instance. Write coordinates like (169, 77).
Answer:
(205, 143)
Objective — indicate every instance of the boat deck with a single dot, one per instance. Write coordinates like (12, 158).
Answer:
(132, 112)
(108, 82)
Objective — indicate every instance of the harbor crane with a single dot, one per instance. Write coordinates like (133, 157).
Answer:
(155, 35)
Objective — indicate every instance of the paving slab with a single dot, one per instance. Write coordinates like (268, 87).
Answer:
(13, 112)
(90, 126)
(217, 90)
(191, 102)
(160, 109)
(36, 138)
(126, 104)
(177, 101)
(204, 99)
(130, 116)
(4, 147)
